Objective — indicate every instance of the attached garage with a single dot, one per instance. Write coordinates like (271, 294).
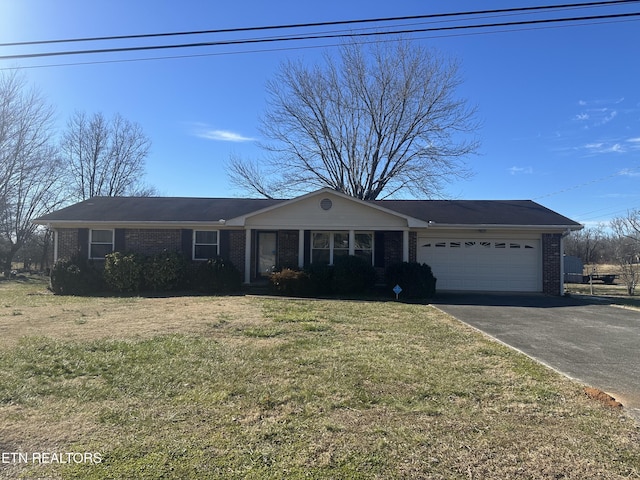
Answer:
(483, 264)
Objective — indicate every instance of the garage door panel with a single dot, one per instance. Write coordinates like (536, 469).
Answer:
(472, 264)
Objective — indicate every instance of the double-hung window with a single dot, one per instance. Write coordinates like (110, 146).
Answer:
(205, 244)
(327, 246)
(100, 243)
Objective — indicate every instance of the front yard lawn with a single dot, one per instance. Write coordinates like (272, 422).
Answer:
(252, 387)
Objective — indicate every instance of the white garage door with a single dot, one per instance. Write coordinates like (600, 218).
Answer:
(483, 265)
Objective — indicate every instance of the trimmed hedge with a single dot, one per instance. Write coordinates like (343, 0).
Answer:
(165, 271)
(76, 276)
(349, 275)
(133, 273)
(217, 275)
(416, 280)
(352, 275)
(123, 271)
(291, 282)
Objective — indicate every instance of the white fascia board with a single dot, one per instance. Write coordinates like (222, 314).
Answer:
(493, 226)
(116, 224)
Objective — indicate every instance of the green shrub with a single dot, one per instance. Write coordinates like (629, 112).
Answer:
(416, 280)
(76, 276)
(123, 271)
(290, 282)
(320, 278)
(352, 274)
(165, 271)
(217, 275)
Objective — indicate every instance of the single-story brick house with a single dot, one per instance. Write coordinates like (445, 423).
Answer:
(474, 245)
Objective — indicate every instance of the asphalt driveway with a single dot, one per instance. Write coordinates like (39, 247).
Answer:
(597, 344)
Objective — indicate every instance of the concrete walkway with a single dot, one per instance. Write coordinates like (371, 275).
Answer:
(596, 344)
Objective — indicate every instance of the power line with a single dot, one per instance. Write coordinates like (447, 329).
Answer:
(324, 24)
(297, 48)
(319, 36)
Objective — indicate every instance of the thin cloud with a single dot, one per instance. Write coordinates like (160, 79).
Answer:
(629, 172)
(224, 136)
(204, 131)
(520, 170)
(602, 148)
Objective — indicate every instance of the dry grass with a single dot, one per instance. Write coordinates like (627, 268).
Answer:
(241, 387)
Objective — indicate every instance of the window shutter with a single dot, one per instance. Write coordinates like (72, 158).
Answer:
(83, 242)
(378, 245)
(186, 243)
(224, 244)
(307, 247)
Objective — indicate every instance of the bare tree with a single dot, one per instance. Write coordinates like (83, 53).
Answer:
(29, 164)
(378, 120)
(105, 157)
(627, 248)
(588, 244)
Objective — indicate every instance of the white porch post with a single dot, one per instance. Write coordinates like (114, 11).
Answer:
(562, 265)
(247, 256)
(55, 246)
(301, 249)
(352, 242)
(405, 245)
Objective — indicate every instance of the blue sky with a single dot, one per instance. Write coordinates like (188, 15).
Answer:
(560, 107)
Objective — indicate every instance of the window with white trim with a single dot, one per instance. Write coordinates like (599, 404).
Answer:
(327, 246)
(205, 244)
(100, 243)
(364, 246)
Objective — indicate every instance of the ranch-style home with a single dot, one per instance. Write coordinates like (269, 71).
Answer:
(471, 245)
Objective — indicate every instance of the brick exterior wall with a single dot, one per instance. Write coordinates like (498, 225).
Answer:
(392, 248)
(288, 248)
(413, 246)
(236, 249)
(551, 258)
(151, 241)
(67, 243)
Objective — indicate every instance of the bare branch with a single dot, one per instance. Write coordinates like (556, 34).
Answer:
(104, 157)
(373, 121)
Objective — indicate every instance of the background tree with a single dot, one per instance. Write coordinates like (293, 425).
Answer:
(30, 167)
(626, 248)
(589, 244)
(105, 157)
(375, 121)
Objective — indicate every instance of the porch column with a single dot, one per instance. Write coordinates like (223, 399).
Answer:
(405, 245)
(247, 255)
(352, 242)
(300, 249)
(55, 246)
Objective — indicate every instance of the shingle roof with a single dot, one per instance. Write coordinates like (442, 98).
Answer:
(478, 212)
(158, 209)
(184, 209)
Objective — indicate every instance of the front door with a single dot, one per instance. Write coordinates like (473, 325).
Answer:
(267, 253)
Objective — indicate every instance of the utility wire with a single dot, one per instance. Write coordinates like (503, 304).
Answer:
(319, 36)
(297, 48)
(324, 24)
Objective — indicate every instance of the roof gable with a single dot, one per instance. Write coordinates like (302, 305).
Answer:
(326, 208)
